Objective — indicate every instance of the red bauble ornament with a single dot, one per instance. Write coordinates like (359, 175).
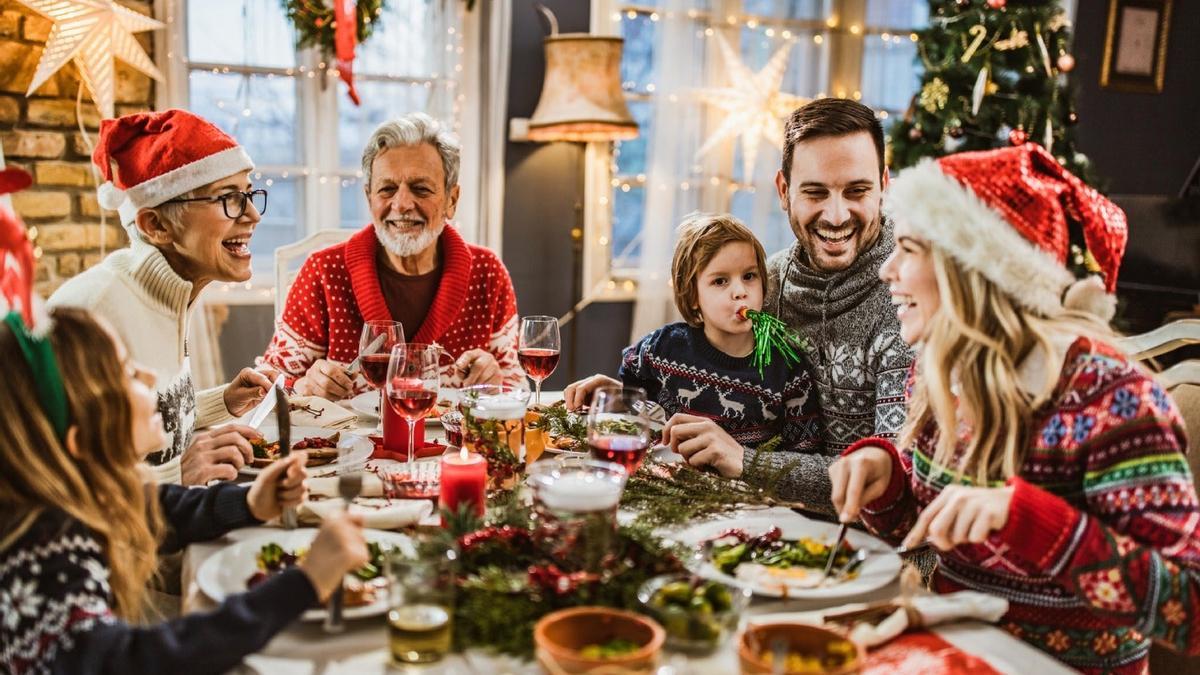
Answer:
(1066, 63)
(1017, 137)
(997, 4)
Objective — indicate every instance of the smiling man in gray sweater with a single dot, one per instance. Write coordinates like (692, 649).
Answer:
(827, 287)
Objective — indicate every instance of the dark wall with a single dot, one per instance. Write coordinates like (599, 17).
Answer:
(1141, 143)
(542, 200)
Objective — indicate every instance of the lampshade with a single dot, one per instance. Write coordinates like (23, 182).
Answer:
(581, 94)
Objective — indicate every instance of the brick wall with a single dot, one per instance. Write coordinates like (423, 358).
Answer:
(41, 135)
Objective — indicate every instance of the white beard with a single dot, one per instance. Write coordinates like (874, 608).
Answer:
(408, 245)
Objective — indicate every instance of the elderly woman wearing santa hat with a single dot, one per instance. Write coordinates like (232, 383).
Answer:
(1042, 464)
(182, 188)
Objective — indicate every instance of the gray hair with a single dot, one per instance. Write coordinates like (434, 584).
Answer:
(414, 129)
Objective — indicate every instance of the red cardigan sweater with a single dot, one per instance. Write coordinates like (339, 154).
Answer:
(338, 289)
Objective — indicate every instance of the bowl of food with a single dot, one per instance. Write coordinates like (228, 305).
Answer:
(697, 614)
(583, 639)
(804, 650)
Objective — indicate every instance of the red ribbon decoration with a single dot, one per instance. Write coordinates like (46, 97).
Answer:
(16, 251)
(345, 37)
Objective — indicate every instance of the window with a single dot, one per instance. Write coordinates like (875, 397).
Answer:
(290, 110)
(833, 52)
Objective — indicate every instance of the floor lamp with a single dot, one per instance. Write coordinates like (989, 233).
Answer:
(581, 102)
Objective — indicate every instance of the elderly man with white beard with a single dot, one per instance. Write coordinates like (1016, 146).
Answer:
(408, 266)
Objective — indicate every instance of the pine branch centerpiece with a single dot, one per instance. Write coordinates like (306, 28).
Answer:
(772, 334)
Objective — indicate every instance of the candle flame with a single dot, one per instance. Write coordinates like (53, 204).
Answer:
(462, 455)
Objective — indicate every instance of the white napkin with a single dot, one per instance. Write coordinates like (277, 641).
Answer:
(378, 513)
(327, 486)
(927, 610)
(328, 415)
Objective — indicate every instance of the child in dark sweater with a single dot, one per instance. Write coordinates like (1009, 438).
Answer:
(701, 370)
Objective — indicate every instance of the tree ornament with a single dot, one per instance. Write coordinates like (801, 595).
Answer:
(955, 129)
(92, 32)
(997, 4)
(951, 144)
(914, 134)
(1065, 63)
(962, 4)
(980, 33)
(981, 86)
(1017, 136)
(1072, 118)
(1016, 39)
(771, 334)
(934, 95)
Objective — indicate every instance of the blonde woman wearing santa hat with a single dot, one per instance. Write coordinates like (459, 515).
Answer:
(182, 188)
(1042, 464)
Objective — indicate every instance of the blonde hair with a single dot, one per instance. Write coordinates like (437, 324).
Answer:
(701, 237)
(968, 373)
(102, 486)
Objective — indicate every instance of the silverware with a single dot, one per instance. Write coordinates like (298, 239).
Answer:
(284, 421)
(357, 362)
(350, 481)
(837, 544)
(909, 551)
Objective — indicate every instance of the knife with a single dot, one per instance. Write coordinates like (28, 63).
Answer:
(837, 544)
(371, 349)
(283, 419)
(264, 407)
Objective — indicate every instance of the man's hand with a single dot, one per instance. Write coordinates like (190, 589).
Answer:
(246, 391)
(279, 486)
(961, 515)
(477, 366)
(703, 443)
(217, 454)
(327, 380)
(579, 394)
(338, 549)
(859, 479)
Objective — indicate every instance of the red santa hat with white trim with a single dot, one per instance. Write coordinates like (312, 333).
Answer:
(159, 156)
(1008, 214)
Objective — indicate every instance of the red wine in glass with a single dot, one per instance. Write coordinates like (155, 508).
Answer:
(412, 404)
(374, 368)
(538, 363)
(628, 451)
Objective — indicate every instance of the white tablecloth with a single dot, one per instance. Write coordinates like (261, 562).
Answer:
(304, 649)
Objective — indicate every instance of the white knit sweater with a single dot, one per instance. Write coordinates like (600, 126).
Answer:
(146, 302)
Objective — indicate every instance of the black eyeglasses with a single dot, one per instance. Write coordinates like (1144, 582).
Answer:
(234, 203)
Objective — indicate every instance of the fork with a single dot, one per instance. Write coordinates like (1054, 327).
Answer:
(350, 481)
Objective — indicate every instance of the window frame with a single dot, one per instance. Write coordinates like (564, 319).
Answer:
(842, 56)
(318, 171)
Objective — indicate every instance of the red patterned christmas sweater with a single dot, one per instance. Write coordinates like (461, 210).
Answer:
(337, 289)
(1101, 551)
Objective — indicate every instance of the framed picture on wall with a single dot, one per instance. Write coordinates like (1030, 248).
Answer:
(1135, 46)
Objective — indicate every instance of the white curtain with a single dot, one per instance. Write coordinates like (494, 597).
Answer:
(677, 180)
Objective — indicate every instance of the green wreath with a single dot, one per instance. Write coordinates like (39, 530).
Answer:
(313, 20)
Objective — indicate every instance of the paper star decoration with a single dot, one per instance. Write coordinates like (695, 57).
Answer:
(92, 32)
(754, 105)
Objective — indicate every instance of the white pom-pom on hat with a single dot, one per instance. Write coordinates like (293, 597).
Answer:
(110, 196)
(1088, 295)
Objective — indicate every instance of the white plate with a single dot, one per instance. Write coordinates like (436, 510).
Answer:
(877, 571)
(225, 572)
(360, 447)
(367, 405)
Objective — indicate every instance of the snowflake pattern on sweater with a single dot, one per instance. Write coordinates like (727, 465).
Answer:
(1101, 551)
(681, 371)
(338, 289)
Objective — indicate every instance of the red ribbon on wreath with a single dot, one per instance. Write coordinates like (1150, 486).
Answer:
(345, 38)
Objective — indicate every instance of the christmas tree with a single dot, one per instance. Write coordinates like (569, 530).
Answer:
(995, 75)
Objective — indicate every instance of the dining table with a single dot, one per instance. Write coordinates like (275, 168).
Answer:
(304, 648)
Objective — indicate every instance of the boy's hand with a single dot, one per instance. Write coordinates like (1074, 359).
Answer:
(579, 394)
(703, 443)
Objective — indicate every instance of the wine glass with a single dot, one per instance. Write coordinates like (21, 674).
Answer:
(538, 350)
(617, 430)
(413, 376)
(375, 352)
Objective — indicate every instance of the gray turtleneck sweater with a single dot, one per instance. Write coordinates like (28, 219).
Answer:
(858, 359)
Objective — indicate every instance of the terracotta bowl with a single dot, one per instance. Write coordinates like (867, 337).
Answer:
(800, 638)
(559, 637)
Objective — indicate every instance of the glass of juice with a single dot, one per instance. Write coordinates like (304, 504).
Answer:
(421, 610)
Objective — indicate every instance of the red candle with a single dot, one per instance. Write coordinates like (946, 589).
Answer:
(464, 480)
(395, 429)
